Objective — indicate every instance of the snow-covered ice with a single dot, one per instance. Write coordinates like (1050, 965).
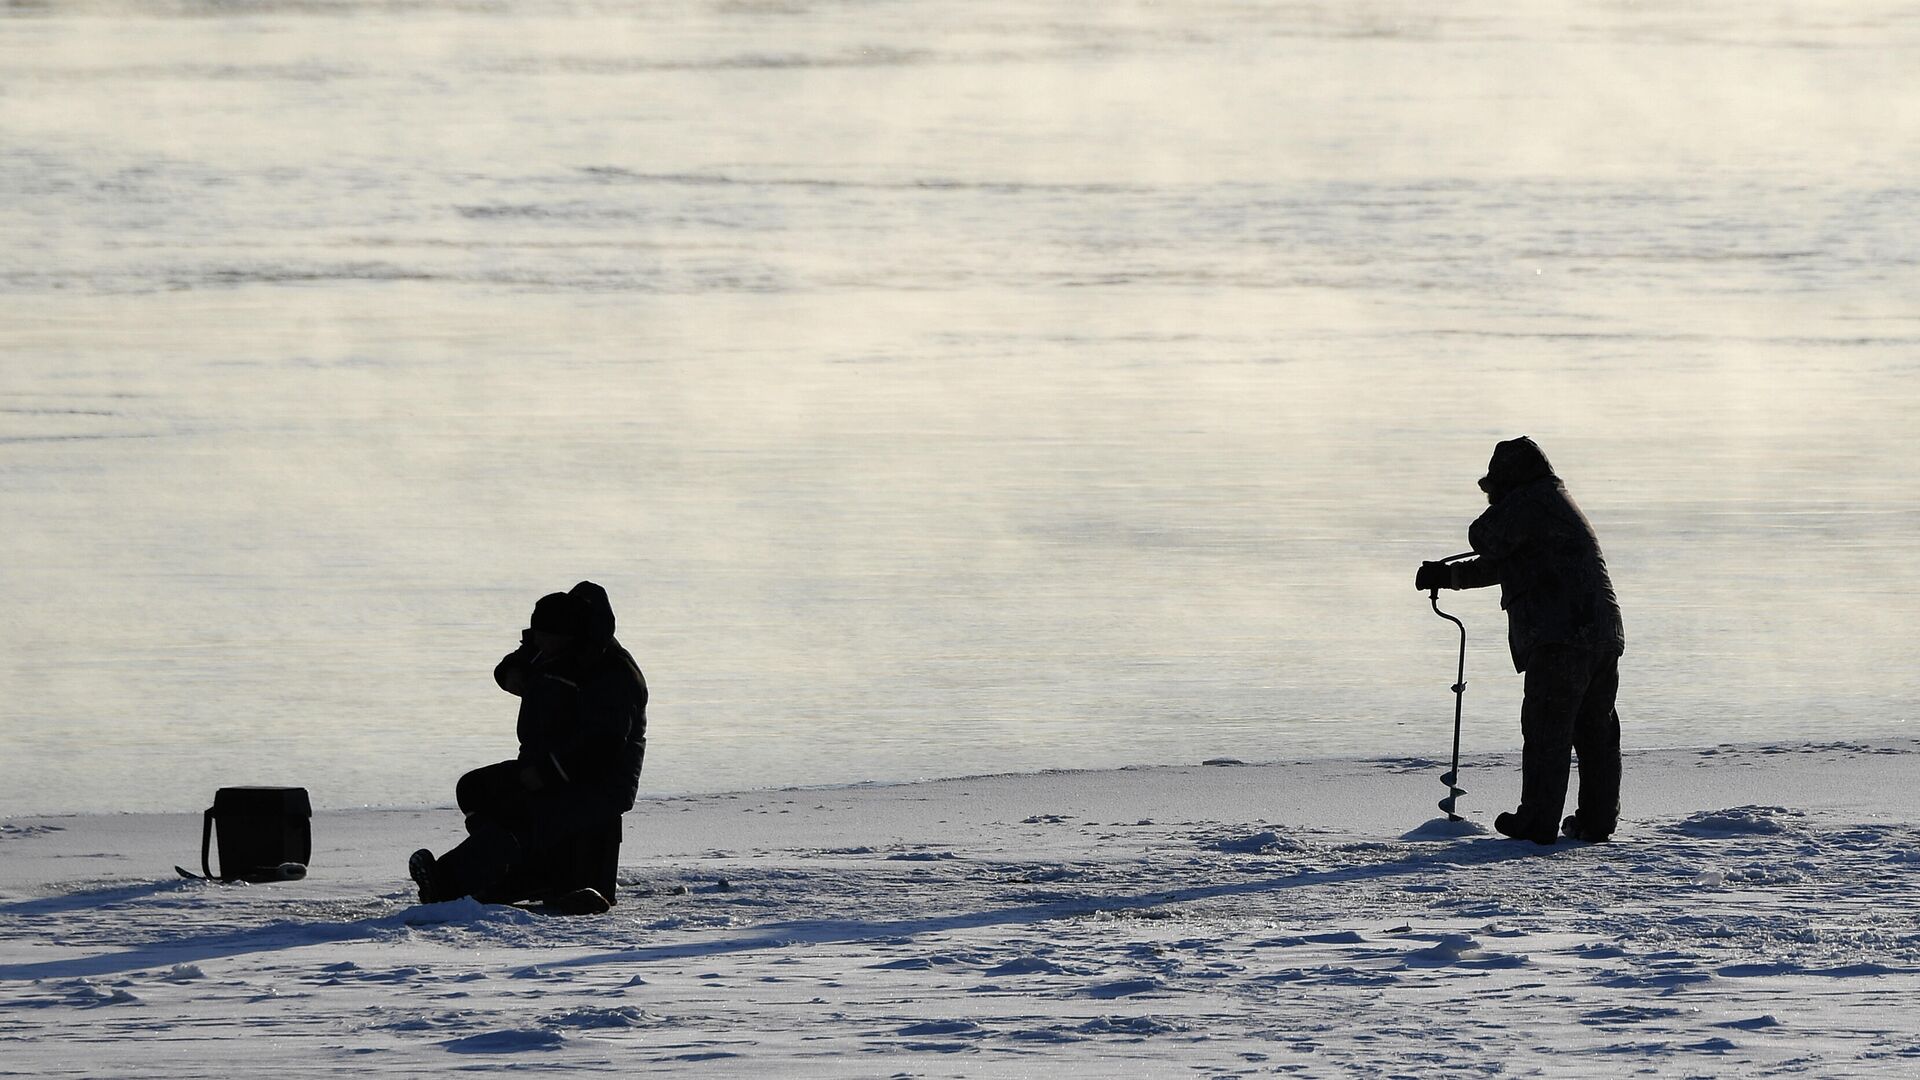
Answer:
(1750, 919)
(956, 387)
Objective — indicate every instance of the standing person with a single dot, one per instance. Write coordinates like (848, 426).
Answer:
(1564, 630)
(583, 736)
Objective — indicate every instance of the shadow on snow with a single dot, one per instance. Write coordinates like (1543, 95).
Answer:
(828, 931)
(288, 935)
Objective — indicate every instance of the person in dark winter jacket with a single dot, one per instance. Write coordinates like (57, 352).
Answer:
(583, 738)
(1565, 635)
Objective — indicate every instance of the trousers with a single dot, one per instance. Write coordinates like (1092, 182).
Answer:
(505, 823)
(1569, 709)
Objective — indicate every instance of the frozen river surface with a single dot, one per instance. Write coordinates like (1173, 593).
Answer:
(937, 388)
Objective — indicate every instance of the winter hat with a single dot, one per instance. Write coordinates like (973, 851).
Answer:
(581, 613)
(558, 613)
(596, 614)
(1514, 462)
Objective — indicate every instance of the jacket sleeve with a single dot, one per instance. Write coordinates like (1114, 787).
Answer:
(515, 670)
(1475, 573)
(1496, 536)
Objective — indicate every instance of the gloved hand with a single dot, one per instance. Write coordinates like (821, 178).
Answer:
(1433, 576)
(512, 671)
(530, 778)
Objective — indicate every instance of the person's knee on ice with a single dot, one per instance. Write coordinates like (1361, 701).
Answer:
(582, 740)
(466, 793)
(1563, 632)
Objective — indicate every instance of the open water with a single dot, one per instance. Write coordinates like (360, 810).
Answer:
(936, 387)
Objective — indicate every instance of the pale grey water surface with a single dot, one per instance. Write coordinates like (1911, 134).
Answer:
(936, 387)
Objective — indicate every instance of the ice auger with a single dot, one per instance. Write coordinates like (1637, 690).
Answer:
(1451, 777)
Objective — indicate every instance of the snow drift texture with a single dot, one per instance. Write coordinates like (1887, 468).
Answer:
(1244, 920)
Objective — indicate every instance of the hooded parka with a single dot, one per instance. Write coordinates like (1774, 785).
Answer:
(1534, 543)
(583, 716)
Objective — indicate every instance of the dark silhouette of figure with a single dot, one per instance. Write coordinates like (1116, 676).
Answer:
(1565, 634)
(582, 730)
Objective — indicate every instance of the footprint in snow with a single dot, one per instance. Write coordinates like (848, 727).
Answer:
(510, 1041)
(621, 1016)
(1128, 1025)
(1406, 764)
(1332, 975)
(538, 972)
(1264, 842)
(1045, 1035)
(426, 1022)
(1027, 965)
(1668, 981)
(1462, 951)
(1338, 937)
(941, 1027)
(1043, 874)
(1629, 1014)
(923, 963)
(1123, 988)
(346, 971)
(22, 832)
(1864, 970)
(1738, 821)
(85, 994)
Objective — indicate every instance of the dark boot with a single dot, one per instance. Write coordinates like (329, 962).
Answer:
(1575, 828)
(1524, 828)
(476, 864)
(582, 901)
(420, 867)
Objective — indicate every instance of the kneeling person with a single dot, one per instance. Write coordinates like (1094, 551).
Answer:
(582, 730)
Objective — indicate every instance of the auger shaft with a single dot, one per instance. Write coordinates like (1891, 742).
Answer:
(1452, 776)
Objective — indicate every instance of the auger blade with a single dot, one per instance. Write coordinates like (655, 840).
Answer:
(1447, 804)
(1450, 779)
